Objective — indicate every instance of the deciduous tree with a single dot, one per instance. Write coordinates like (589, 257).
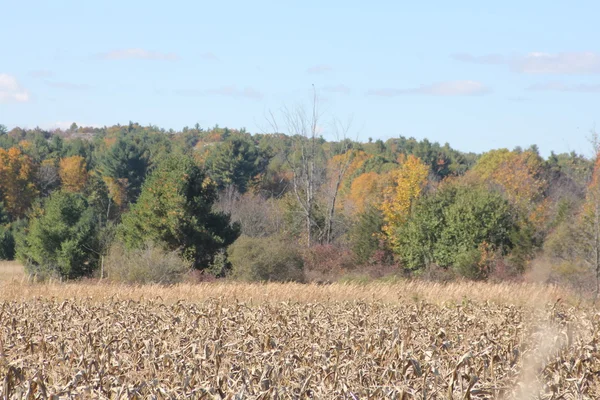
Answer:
(73, 173)
(398, 201)
(17, 181)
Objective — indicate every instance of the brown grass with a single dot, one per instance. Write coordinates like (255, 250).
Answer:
(11, 271)
(398, 292)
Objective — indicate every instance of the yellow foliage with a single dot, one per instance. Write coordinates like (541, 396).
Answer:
(17, 174)
(73, 173)
(515, 172)
(398, 201)
(367, 189)
(117, 189)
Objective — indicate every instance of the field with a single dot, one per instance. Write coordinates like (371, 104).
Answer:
(403, 340)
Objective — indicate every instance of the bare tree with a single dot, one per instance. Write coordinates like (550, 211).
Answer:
(338, 168)
(308, 164)
(48, 178)
(304, 161)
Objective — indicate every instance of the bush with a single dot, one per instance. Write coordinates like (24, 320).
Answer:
(148, 264)
(265, 259)
(327, 262)
(61, 238)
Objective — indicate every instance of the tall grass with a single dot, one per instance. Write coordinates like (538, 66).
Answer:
(394, 292)
(10, 271)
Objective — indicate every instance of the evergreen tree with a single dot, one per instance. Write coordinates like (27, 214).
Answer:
(235, 162)
(60, 238)
(125, 161)
(175, 210)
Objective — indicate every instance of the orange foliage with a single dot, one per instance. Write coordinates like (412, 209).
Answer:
(109, 141)
(73, 173)
(17, 174)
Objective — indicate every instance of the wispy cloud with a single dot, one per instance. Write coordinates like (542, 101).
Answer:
(564, 87)
(450, 88)
(137, 54)
(319, 69)
(41, 73)
(228, 91)
(68, 85)
(561, 63)
(11, 91)
(209, 56)
(343, 89)
(566, 63)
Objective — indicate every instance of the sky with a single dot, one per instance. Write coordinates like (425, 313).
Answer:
(477, 75)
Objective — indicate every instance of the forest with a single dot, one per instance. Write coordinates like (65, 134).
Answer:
(139, 204)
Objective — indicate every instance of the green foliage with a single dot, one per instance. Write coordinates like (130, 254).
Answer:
(265, 259)
(235, 162)
(448, 227)
(475, 216)
(442, 160)
(125, 159)
(364, 237)
(7, 240)
(175, 210)
(60, 238)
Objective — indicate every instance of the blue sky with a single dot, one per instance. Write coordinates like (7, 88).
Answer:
(478, 76)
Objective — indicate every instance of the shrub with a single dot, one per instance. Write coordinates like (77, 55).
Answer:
(61, 238)
(265, 259)
(148, 264)
(327, 262)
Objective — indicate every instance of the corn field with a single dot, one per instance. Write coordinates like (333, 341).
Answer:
(226, 348)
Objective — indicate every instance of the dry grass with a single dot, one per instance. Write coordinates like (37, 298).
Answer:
(11, 271)
(399, 292)
(225, 340)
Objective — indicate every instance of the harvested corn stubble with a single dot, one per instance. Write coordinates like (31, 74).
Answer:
(218, 349)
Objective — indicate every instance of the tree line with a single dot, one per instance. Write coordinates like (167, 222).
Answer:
(292, 205)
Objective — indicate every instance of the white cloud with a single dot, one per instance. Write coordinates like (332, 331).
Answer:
(319, 69)
(450, 88)
(343, 89)
(11, 91)
(137, 54)
(229, 91)
(564, 87)
(541, 63)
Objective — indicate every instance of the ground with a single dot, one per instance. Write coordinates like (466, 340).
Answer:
(221, 340)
